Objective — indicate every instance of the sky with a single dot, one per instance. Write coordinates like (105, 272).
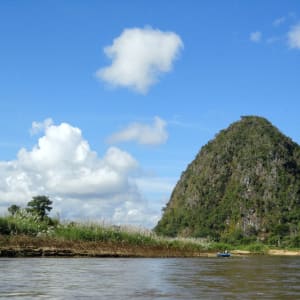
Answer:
(105, 103)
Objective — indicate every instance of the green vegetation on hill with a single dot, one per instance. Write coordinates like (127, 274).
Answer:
(242, 187)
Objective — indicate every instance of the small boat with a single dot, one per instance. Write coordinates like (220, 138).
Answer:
(223, 254)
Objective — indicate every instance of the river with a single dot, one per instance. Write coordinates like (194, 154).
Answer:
(257, 277)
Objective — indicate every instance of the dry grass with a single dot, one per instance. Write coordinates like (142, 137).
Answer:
(23, 245)
(92, 239)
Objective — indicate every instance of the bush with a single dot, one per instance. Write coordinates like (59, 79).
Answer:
(220, 246)
(4, 226)
(256, 248)
(233, 238)
(23, 223)
(295, 241)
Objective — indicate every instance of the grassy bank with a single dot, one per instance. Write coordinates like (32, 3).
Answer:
(28, 236)
(92, 239)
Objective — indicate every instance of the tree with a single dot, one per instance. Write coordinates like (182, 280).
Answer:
(13, 209)
(39, 205)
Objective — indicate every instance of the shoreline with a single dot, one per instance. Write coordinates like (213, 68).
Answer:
(28, 246)
(104, 251)
(56, 252)
(21, 237)
(125, 251)
(25, 246)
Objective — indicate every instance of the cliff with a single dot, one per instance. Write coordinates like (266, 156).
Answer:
(244, 185)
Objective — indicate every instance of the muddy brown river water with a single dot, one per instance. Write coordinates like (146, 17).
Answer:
(253, 277)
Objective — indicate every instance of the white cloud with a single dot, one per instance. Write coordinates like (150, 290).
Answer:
(279, 21)
(154, 185)
(294, 37)
(37, 127)
(154, 134)
(137, 213)
(81, 184)
(139, 56)
(255, 36)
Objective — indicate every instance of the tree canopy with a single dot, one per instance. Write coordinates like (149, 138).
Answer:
(13, 209)
(39, 205)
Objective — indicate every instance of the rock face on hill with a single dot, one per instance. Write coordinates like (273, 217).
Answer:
(242, 186)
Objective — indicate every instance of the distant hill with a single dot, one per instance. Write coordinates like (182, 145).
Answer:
(243, 186)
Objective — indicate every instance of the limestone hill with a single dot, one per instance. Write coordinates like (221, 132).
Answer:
(242, 186)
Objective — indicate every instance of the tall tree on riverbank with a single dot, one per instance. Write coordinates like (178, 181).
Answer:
(13, 209)
(39, 205)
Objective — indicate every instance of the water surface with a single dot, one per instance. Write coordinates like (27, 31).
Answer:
(104, 278)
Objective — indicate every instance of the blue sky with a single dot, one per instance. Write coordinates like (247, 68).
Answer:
(223, 59)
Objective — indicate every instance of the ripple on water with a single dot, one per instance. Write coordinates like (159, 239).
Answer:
(106, 278)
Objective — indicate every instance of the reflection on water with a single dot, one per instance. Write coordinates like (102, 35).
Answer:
(102, 278)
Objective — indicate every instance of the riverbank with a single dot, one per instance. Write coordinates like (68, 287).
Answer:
(272, 252)
(282, 252)
(26, 246)
(25, 236)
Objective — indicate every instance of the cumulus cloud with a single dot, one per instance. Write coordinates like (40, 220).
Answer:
(135, 213)
(154, 185)
(82, 184)
(294, 37)
(255, 36)
(153, 134)
(37, 127)
(139, 56)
